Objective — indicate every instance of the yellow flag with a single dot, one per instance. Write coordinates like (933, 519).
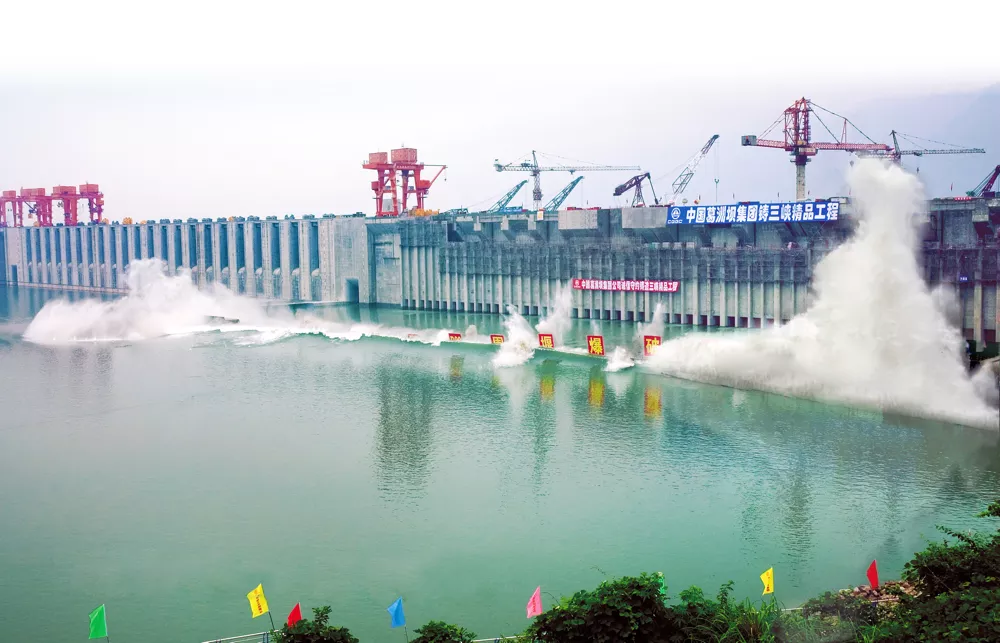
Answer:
(258, 604)
(767, 578)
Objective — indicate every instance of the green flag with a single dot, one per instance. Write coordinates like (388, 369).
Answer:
(98, 623)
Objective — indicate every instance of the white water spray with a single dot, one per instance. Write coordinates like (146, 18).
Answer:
(558, 321)
(874, 337)
(520, 342)
(161, 305)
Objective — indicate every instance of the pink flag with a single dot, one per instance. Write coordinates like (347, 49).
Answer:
(873, 574)
(535, 604)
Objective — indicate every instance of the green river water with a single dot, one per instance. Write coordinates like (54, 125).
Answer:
(166, 478)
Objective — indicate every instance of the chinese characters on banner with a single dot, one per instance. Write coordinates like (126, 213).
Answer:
(545, 340)
(784, 212)
(595, 344)
(626, 285)
(454, 337)
(649, 342)
(496, 339)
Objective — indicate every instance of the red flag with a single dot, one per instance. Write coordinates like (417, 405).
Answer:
(295, 616)
(535, 604)
(873, 574)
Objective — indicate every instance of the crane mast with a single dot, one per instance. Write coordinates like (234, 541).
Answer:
(799, 142)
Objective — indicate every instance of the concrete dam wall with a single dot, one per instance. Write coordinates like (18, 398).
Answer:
(618, 263)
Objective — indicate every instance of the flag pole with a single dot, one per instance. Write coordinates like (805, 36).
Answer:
(406, 634)
(272, 621)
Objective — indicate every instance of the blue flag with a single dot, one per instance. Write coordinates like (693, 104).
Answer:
(396, 613)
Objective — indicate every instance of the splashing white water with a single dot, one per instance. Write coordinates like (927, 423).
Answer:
(161, 305)
(558, 321)
(874, 336)
(619, 360)
(520, 342)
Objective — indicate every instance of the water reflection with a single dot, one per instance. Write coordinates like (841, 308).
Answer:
(403, 434)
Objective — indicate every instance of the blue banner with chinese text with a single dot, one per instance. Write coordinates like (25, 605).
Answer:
(786, 212)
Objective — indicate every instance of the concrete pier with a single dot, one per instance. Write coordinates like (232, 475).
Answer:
(729, 275)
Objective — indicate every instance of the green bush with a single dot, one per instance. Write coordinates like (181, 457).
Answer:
(959, 587)
(441, 632)
(629, 609)
(314, 631)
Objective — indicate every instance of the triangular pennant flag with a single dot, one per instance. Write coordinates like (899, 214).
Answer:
(768, 579)
(535, 603)
(396, 613)
(873, 574)
(98, 623)
(295, 615)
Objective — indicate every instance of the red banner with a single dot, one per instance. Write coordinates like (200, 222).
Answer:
(496, 339)
(545, 340)
(626, 285)
(595, 344)
(649, 342)
(454, 337)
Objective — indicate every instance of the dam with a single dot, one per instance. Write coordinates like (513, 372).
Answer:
(620, 263)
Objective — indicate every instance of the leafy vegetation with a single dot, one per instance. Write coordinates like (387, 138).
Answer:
(441, 632)
(314, 631)
(959, 585)
(949, 592)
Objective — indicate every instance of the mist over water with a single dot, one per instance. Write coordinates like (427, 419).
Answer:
(875, 335)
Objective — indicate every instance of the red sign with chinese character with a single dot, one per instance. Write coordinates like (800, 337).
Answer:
(595, 344)
(649, 342)
(545, 340)
(454, 337)
(496, 339)
(626, 285)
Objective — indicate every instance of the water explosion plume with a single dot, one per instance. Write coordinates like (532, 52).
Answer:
(875, 335)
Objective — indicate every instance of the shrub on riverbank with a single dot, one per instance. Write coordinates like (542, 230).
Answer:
(949, 592)
(314, 631)
(441, 632)
(959, 590)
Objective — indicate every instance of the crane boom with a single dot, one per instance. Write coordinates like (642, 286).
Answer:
(985, 187)
(636, 182)
(507, 198)
(895, 153)
(536, 170)
(681, 182)
(558, 199)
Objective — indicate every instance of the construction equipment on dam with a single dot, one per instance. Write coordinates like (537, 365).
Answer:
(536, 170)
(392, 187)
(39, 205)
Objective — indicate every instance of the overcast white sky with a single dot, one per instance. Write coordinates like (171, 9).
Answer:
(233, 108)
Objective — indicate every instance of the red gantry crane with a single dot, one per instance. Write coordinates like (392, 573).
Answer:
(40, 204)
(799, 142)
(394, 171)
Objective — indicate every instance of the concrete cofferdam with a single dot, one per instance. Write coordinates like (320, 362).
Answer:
(742, 274)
